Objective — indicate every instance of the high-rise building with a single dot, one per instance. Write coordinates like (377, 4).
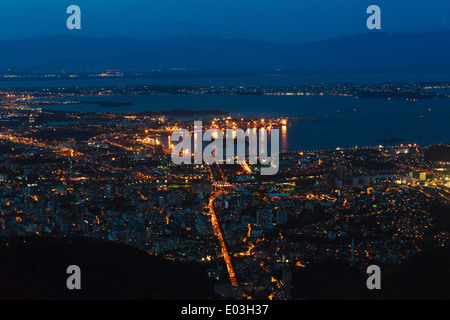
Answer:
(281, 216)
(341, 176)
(440, 153)
(264, 218)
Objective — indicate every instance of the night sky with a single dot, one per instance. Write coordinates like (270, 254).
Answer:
(277, 21)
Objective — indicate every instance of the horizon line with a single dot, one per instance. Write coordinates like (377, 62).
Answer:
(214, 36)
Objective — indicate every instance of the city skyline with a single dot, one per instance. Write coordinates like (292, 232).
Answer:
(90, 177)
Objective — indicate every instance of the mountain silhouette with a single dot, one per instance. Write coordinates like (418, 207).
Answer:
(378, 52)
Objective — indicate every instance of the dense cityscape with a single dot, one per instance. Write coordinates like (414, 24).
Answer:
(110, 176)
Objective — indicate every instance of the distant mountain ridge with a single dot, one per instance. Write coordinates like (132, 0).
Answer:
(378, 52)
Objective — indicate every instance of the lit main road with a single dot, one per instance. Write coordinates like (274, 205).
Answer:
(219, 235)
(216, 172)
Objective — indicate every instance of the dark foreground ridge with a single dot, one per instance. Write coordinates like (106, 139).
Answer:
(35, 268)
(422, 277)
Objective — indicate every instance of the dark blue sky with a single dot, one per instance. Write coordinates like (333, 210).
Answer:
(277, 21)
